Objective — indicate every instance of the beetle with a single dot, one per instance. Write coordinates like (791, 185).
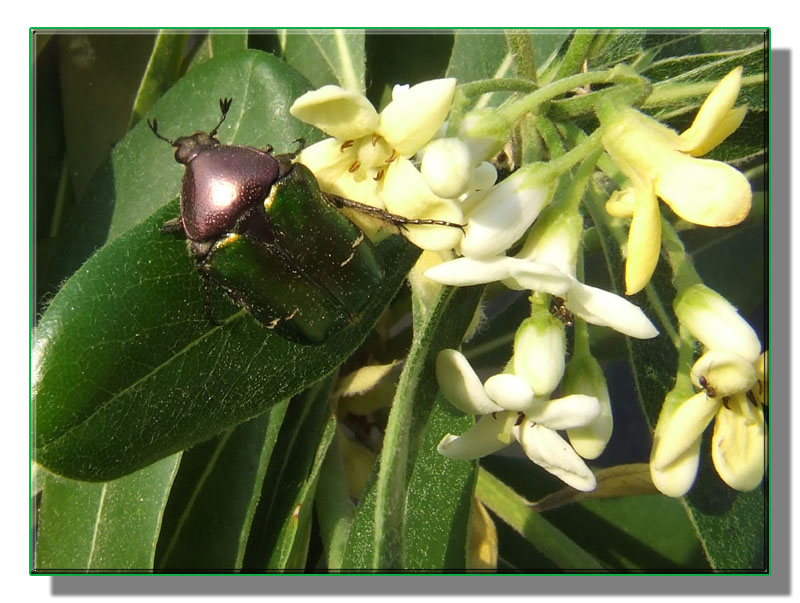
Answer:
(259, 227)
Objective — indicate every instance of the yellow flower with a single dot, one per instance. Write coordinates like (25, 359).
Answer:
(367, 158)
(731, 377)
(661, 164)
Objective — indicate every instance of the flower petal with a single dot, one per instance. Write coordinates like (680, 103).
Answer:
(585, 376)
(725, 373)
(340, 113)
(507, 211)
(621, 203)
(539, 276)
(737, 446)
(678, 428)
(703, 191)
(576, 410)
(447, 167)
(326, 160)
(712, 320)
(461, 385)
(412, 118)
(463, 272)
(644, 241)
(549, 450)
(603, 308)
(510, 392)
(554, 239)
(716, 119)
(676, 479)
(539, 350)
(488, 435)
(406, 194)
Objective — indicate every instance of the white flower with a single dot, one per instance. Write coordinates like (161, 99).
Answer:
(507, 210)
(509, 407)
(731, 377)
(367, 160)
(546, 264)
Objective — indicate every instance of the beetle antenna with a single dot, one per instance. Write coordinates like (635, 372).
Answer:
(154, 127)
(224, 106)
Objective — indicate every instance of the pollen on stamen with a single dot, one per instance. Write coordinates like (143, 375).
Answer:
(375, 139)
(355, 166)
(392, 157)
(346, 145)
(379, 175)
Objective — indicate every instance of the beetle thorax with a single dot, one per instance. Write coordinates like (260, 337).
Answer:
(220, 183)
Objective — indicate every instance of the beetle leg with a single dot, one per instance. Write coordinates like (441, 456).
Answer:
(398, 221)
(171, 226)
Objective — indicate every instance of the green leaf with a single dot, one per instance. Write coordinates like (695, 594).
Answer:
(478, 56)
(110, 526)
(404, 58)
(154, 377)
(226, 41)
(683, 83)
(279, 536)
(439, 500)
(327, 57)
(162, 71)
(730, 524)
(111, 67)
(444, 327)
(210, 510)
(333, 507)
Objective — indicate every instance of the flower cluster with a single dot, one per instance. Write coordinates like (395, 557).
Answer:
(520, 233)
(368, 157)
(659, 163)
(516, 405)
(732, 379)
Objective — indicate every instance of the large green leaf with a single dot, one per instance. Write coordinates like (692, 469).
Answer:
(127, 368)
(110, 526)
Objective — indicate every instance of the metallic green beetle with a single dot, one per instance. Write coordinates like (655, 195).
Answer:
(260, 228)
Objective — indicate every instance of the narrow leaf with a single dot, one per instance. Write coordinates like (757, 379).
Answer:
(212, 502)
(103, 527)
(444, 327)
(327, 57)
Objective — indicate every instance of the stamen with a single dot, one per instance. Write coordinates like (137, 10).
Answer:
(392, 157)
(346, 145)
(379, 175)
(375, 139)
(354, 167)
